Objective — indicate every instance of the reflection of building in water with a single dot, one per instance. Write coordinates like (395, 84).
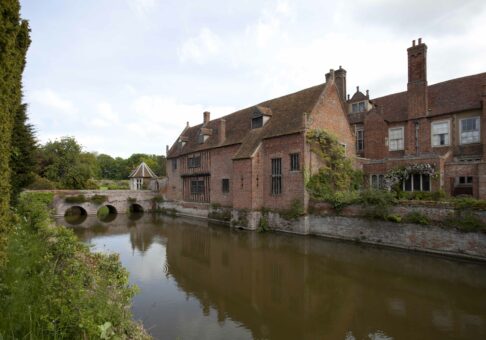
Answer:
(283, 288)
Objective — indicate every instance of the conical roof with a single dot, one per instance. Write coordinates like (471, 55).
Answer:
(142, 171)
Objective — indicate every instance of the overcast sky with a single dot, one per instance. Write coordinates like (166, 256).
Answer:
(124, 76)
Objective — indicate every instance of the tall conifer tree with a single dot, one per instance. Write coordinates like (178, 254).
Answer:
(22, 157)
(14, 42)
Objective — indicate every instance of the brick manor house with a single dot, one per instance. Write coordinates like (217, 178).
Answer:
(255, 157)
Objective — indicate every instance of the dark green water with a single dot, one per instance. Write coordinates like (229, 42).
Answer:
(201, 281)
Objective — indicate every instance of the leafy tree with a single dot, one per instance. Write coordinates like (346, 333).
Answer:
(14, 42)
(22, 158)
(63, 161)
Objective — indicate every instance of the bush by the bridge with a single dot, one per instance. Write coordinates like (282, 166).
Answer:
(54, 287)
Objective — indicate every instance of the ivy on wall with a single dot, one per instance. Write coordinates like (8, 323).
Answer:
(337, 180)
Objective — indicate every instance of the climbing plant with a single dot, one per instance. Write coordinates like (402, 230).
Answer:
(400, 174)
(337, 178)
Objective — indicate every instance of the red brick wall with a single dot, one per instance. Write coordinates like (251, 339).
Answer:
(242, 183)
(453, 170)
(174, 182)
(257, 180)
(222, 167)
(292, 181)
(375, 132)
(330, 115)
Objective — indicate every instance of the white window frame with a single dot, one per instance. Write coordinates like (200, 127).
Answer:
(448, 121)
(460, 129)
(403, 138)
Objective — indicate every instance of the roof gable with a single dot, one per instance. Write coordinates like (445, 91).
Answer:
(286, 118)
(450, 96)
(142, 171)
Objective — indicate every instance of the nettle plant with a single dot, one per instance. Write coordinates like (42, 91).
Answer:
(398, 175)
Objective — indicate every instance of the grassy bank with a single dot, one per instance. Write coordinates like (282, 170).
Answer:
(53, 287)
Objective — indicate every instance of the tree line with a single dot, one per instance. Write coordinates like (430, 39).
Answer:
(63, 164)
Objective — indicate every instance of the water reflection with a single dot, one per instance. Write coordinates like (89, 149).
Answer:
(201, 281)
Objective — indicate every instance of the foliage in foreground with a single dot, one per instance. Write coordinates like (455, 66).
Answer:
(14, 42)
(54, 287)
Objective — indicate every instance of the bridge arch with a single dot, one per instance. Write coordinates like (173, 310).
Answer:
(107, 213)
(75, 214)
(135, 211)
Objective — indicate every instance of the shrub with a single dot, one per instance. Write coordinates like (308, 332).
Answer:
(98, 199)
(377, 203)
(41, 183)
(263, 223)
(469, 203)
(75, 199)
(295, 211)
(465, 221)
(158, 199)
(54, 287)
(394, 218)
(341, 199)
(422, 195)
(417, 217)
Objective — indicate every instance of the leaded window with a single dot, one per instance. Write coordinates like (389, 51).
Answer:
(197, 187)
(396, 138)
(194, 161)
(417, 182)
(294, 162)
(276, 176)
(225, 185)
(440, 133)
(359, 139)
(470, 130)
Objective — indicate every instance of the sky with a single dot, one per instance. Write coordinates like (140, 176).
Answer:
(124, 76)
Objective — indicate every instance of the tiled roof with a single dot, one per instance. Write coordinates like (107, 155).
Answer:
(286, 118)
(142, 171)
(357, 97)
(449, 96)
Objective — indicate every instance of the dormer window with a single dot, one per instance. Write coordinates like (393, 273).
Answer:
(260, 116)
(182, 142)
(203, 135)
(257, 122)
(358, 107)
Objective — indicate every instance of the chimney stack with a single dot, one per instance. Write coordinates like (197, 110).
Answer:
(222, 130)
(206, 117)
(330, 76)
(340, 78)
(368, 94)
(166, 150)
(417, 80)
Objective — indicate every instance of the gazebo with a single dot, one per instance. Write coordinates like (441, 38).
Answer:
(143, 178)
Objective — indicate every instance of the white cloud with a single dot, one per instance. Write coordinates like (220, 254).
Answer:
(142, 7)
(200, 48)
(105, 116)
(54, 100)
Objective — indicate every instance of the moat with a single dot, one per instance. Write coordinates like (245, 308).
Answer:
(204, 281)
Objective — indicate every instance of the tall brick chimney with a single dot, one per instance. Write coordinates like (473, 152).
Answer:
(417, 80)
(222, 130)
(207, 115)
(340, 78)
(330, 76)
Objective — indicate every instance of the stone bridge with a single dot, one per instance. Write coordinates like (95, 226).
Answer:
(88, 202)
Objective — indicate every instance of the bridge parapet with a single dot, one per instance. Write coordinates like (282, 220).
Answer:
(92, 200)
